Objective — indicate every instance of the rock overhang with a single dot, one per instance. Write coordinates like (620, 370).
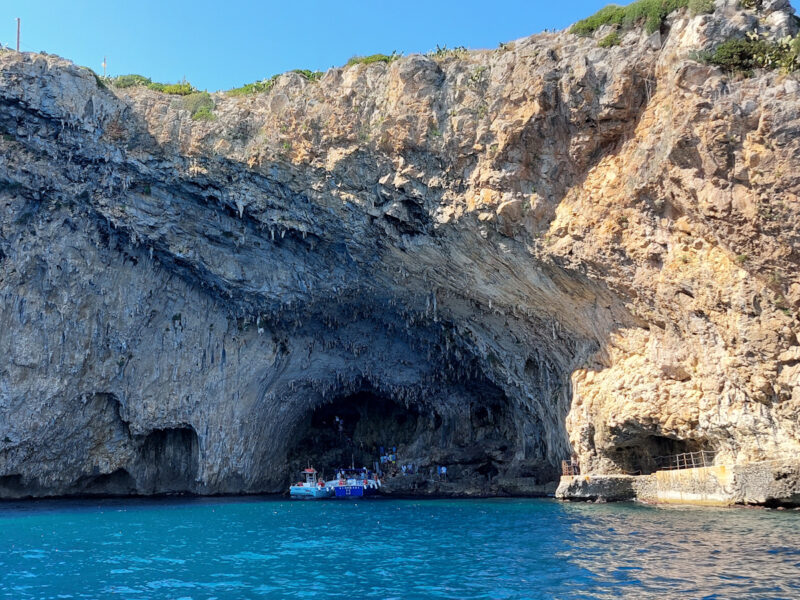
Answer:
(430, 225)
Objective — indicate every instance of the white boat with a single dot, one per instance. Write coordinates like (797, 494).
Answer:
(312, 487)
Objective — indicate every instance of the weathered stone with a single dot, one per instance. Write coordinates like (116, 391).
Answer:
(200, 290)
(614, 488)
(765, 483)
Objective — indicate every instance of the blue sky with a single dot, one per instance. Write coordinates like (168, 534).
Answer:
(225, 43)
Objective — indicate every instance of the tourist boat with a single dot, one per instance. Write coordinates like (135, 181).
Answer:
(354, 483)
(312, 487)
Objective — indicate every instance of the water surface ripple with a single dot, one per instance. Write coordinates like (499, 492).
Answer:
(498, 549)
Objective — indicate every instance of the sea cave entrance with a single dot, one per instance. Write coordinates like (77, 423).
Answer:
(473, 433)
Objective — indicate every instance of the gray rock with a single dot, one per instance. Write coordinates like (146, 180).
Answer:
(186, 305)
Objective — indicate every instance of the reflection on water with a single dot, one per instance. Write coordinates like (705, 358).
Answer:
(263, 548)
(687, 552)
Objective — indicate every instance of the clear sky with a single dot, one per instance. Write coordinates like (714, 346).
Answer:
(221, 44)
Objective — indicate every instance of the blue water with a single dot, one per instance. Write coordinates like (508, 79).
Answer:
(266, 548)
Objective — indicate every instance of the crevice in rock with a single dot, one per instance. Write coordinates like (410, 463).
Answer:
(168, 461)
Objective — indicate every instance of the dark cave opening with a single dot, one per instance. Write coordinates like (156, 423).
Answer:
(168, 460)
(12, 486)
(352, 429)
(650, 453)
(475, 437)
(116, 483)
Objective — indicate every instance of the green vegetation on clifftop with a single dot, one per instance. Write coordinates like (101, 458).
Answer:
(443, 52)
(265, 85)
(373, 58)
(257, 87)
(650, 12)
(308, 74)
(183, 88)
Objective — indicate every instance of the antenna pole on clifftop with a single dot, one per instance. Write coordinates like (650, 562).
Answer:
(18, 22)
(104, 66)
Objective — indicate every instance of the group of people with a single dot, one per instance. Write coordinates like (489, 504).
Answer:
(389, 457)
(388, 464)
(409, 469)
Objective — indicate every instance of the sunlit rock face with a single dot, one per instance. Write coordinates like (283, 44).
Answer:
(489, 261)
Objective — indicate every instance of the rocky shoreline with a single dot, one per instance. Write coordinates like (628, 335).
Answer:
(772, 483)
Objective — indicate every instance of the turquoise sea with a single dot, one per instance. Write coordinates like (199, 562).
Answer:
(271, 548)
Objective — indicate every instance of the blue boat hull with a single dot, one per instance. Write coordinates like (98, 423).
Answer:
(354, 491)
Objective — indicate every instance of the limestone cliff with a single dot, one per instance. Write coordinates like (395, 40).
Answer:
(488, 259)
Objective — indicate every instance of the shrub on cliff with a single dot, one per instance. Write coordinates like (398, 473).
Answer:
(612, 39)
(126, 81)
(701, 7)
(373, 58)
(649, 12)
(742, 55)
(200, 105)
(308, 74)
(183, 88)
(443, 52)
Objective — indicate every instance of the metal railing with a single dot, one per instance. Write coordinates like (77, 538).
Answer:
(570, 467)
(687, 460)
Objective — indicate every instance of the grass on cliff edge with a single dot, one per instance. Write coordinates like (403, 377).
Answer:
(199, 104)
(183, 88)
(265, 85)
(649, 12)
(256, 87)
(373, 58)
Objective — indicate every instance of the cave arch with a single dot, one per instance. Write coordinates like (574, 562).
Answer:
(470, 429)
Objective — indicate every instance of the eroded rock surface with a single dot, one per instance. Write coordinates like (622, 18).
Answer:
(523, 251)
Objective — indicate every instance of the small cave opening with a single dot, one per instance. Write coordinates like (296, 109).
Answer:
(168, 461)
(117, 483)
(12, 486)
(473, 434)
(653, 452)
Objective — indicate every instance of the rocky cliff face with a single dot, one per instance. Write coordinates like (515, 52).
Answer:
(488, 260)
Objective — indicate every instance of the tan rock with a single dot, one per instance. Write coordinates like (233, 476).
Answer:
(511, 210)
(645, 288)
